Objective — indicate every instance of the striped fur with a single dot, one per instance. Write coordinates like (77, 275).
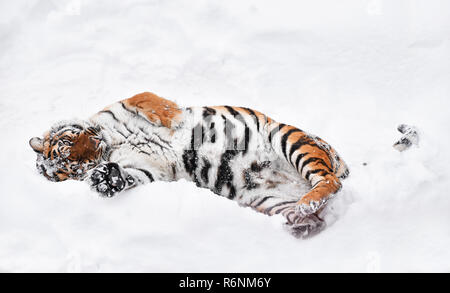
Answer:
(236, 152)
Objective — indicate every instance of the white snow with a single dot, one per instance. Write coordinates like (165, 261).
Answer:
(348, 71)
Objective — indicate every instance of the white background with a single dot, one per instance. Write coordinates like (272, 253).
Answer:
(349, 71)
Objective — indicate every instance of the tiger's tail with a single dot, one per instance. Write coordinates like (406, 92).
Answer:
(342, 171)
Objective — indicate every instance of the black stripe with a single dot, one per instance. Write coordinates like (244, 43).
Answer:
(262, 200)
(255, 167)
(122, 133)
(161, 139)
(252, 113)
(150, 140)
(190, 161)
(111, 113)
(136, 114)
(123, 106)
(232, 111)
(247, 134)
(208, 112)
(77, 126)
(252, 201)
(277, 205)
(232, 189)
(147, 173)
(126, 127)
(249, 184)
(174, 171)
(212, 133)
(190, 157)
(308, 174)
(288, 214)
(231, 144)
(91, 131)
(314, 186)
(344, 174)
(275, 130)
(197, 136)
(238, 116)
(204, 171)
(297, 161)
(284, 141)
(282, 209)
(314, 159)
(300, 142)
(224, 173)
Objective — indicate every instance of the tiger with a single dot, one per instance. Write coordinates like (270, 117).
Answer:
(236, 152)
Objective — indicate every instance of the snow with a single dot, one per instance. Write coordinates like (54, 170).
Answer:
(349, 71)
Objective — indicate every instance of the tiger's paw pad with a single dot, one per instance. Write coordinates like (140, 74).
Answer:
(308, 227)
(107, 179)
(305, 209)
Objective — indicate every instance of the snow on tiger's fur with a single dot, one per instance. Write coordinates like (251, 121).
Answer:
(235, 152)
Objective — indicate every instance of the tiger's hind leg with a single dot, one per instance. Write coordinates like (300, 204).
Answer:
(298, 225)
(277, 191)
(324, 188)
(306, 227)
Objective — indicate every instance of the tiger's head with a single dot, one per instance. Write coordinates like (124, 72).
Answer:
(68, 150)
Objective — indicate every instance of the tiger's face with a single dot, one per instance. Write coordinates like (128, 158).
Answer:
(68, 150)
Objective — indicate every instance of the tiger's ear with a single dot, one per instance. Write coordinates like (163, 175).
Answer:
(37, 144)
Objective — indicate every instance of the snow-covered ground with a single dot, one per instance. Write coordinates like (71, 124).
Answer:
(349, 71)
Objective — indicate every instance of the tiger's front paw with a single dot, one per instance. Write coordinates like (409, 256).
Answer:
(108, 179)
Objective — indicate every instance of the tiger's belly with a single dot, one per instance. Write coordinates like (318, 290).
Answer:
(272, 181)
(245, 177)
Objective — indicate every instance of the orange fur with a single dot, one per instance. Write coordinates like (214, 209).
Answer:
(329, 183)
(84, 148)
(258, 114)
(155, 108)
(323, 190)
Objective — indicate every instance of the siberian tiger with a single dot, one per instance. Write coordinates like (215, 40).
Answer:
(235, 152)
